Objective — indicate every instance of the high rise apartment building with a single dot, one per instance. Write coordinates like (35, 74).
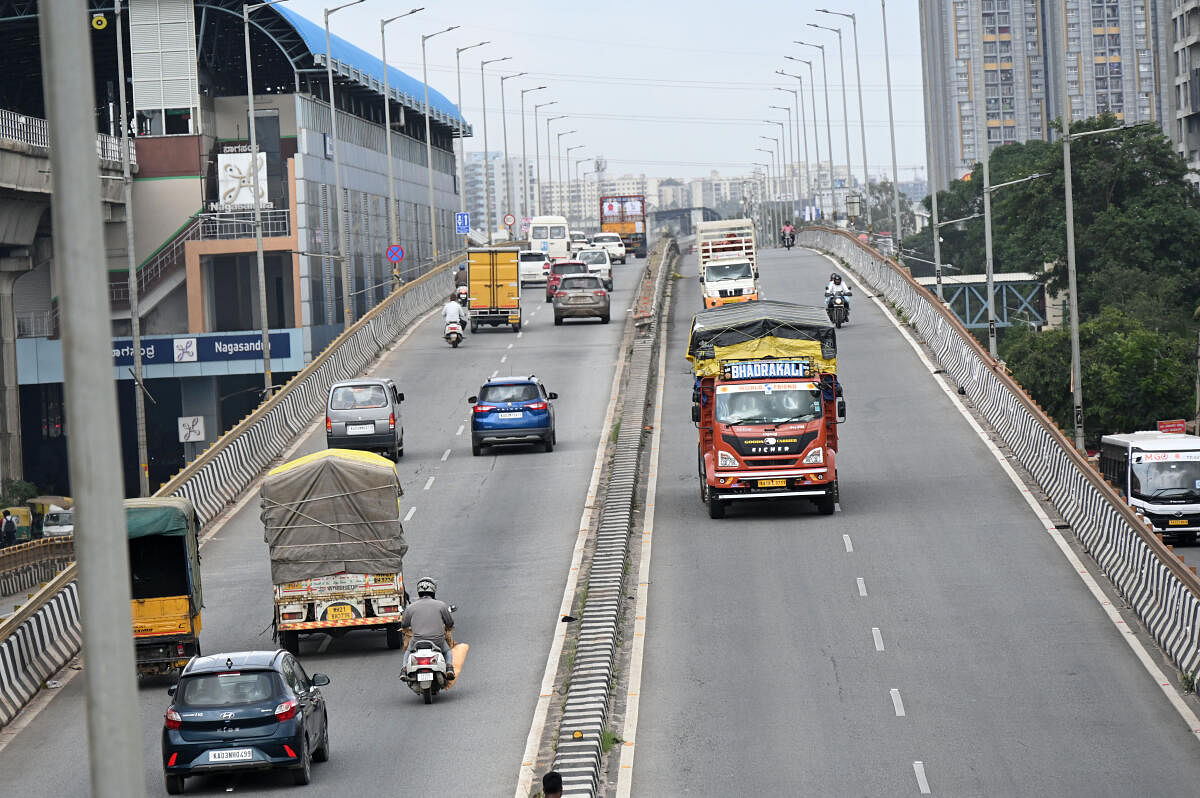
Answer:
(993, 68)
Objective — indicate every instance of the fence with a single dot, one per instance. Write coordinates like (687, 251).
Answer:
(240, 224)
(35, 132)
(1163, 592)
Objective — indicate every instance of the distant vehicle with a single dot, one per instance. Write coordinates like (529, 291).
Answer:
(581, 296)
(612, 242)
(246, 710)
(58, 523)
(1158, 473)
(626, 216)
(728, 262)
(559, 270)
(495, 282)
(166, 589)
(534, 266)
(598, 263)
(578, 241)
(365, 414)
(512, 410)
(549, 234)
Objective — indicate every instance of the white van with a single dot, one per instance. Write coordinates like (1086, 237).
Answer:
(549, 234)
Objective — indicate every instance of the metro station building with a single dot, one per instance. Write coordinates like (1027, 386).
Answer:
(193, 228)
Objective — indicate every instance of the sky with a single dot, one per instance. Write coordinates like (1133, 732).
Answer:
(665, 88)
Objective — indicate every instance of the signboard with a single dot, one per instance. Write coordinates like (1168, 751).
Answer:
(765, 369)
(235, 180)
(462, 223)
(191, 429)
(1178, 425)
(509, 219)
(622, 208)
(395, 253)
(201, 349)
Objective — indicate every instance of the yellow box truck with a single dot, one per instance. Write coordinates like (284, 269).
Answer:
(494, 281)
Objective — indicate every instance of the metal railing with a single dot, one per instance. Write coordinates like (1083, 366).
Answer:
(38, 325)
(167, 258)
(35, 132)
(276, 222)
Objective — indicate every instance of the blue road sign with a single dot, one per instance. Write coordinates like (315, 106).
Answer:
(395, 253)
(462, 223)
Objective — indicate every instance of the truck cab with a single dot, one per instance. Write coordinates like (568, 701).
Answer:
(728, 262)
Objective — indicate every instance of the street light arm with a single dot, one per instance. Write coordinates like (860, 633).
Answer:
(390, 20)
(329, 11)
(426, 37)
(838, 31)
(963, 219)
(835, 13)
(995, 186)
(459, 50)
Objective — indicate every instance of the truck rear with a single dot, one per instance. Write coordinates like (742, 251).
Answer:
(332, 525)
(767, 402)
(494, 280)
(625, 215)
(728, 262)
(164, 570)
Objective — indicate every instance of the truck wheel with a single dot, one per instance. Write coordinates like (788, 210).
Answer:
(289, 640)
(716, 507)
(517, 327)
(395, 638)
(174, 784)
(825, 504)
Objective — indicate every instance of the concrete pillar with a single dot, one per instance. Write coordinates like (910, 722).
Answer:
(198, 396)
(11, 465)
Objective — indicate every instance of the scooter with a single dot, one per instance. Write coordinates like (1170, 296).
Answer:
(788, 239)
(462, 295)
(425, 672)
(839, 309)
(453, 334)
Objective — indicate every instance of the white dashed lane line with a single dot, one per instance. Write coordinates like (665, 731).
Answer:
(897, 702)
(408, 516)
(862, 587)
(849, 545)
(508, 347)
(504, 359)
(460, 429)
(445, 457)
(494, 373)
(429, 483)
(878, 638)
(922, 782)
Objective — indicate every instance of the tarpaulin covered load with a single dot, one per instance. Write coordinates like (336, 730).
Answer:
(164, 553)
(333, 512)
(758, 330)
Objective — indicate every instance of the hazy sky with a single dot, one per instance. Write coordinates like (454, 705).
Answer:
(664, 87)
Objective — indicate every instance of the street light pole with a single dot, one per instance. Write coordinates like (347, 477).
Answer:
(429, 138)
(1072, 286)
(845, 112)
(570, 198)
(558, 159)
(524, 156)
(796, 141)
(988, 260)
(785, 136)
(812, 94)
(487, 167)
(862, 125)
(762, 207)
(770, 184)
(549, 163)
(579, 192)
(462, 194)
(537, 157)
(828, 124)
(504, 126)
(343, 233)
(393, 224)
(802, 127)
(887, 63)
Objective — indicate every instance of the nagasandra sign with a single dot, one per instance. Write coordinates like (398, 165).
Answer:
(200, 349)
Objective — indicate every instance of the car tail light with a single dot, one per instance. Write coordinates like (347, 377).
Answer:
(287, 710)
(392, 421)
(484, 408)
(171, 761)
(179, 649)
(173, 719)
(424, 660)
(601, 292)
(560, 293)
(328, 424)
(287, 749)
(536, 406)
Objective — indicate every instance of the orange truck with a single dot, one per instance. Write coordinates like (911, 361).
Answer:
(767, 402)
(728, 262)
(625, 215)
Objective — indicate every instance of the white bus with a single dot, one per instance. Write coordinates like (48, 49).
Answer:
(549, 234)
(1159, 474)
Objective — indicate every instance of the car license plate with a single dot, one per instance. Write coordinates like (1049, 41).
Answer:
(577, 300)
(511, 415)
(360, 429)
(1178, 522)
(231, 755)
(772, 483)
(339, 612)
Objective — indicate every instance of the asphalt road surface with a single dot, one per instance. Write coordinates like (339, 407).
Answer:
(970, 658)
(497, 531)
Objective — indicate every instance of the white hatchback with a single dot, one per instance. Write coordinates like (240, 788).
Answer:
(611, 242)
(598, 263)
(534, 266)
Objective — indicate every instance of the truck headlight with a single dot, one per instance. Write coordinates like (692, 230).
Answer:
(726, 460)
(815, 457)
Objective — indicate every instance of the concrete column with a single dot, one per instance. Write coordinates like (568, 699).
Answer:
(198, 396)
(11, 465)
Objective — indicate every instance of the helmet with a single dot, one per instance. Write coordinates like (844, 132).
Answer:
(837, 279)
(462, 267)
(426, 585)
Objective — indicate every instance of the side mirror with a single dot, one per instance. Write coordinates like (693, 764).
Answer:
(171, 690)
(841, 410)
(400, 397)
(472, 400)
(453, 608)
(756, 274)
(319, 680)
(696, 413)
(552, 395)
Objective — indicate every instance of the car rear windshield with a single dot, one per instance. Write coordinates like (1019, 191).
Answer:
(587, 283)
(607, 238)
(594, 256)
(537, 256)
(570, 268)
(358, 397)
(226, 689)
(517, 392)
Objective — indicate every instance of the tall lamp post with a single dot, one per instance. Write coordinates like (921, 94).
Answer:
(801, 126)
(763, 208)
(429, 138)
(487, 168)
(776, 163)
(537, 157)
(785, 135)
(549, 163)
(828, 125)
(524, 156)
(393, 224)
(462, 195)
(887, 63)
(769, 188)
(845, 112)
(795, 137)
(558, 159)
(570, 200)
(504, 127)
(812, 95)
(343, 233)
(579, 191)
(862, 125)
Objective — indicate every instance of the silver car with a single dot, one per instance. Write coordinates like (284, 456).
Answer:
(581, 295)
(365, 414)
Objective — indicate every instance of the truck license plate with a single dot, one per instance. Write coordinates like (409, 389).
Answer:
(339, 612)
(772, 483)
(1178, 522)
(360, 429)
(231, 755)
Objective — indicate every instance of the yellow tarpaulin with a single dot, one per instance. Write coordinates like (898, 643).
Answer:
(760, 348)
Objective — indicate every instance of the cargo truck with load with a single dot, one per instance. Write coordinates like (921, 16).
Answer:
(728, 262)
(494, 282)
(331, 521)
(767, 402)
(625, 215)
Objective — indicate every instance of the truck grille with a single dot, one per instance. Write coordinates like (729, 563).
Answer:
(771, 462)
(729, 292)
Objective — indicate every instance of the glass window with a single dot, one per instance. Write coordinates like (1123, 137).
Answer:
(519, 392)
(581, 283)
(539, 231)
(777, 403)
(738, 270)
(225, 689)
(358, 397)
(558, 231)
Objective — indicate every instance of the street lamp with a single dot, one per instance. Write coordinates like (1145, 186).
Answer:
(785, 137)
(828, 126)
(549, 164)
(429, 138)
(524, 157)
(347, 310)
(487, 168)
(570, 202)
(504, 127)
(812, 84)
(537, 157)
(393, 224)
(887, 63)
(462, 194)
(580, 187)
(937, 246)
(763, 209)
(845, 113)
(558, 159)
(801, 127)
(793, 151)
(862, 125)
(770, 183)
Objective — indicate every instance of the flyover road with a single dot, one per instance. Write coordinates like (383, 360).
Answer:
(497, 531)
(970, 646)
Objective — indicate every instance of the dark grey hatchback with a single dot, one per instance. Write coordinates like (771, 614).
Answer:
(248, 710)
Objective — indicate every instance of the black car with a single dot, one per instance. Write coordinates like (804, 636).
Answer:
(248, 710)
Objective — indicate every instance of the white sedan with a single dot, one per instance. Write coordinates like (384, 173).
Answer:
(598, 263)
(611, 242)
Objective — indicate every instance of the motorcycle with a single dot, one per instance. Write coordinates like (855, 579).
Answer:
(454, 334)
(838, 309)
(788, 240)
(425, 673)
(461, 294)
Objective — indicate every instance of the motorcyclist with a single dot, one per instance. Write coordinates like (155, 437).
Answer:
(787, 233)
(453, 313)
(460, 276)
(836, 286)
(428, 619)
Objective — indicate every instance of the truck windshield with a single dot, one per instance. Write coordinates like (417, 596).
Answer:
(765, 405)
(1154, 477)
(738, 270)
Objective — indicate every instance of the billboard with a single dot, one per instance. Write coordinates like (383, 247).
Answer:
(235, 180)
(615, 209)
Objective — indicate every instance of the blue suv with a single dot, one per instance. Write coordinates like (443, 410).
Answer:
(512, 410)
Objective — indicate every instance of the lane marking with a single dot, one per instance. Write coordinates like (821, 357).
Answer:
(445, 455)
(504, 359)
(897, 702)
(1129, 635)
(862, 587)
(429, 483)
(849, 545)
(408, 516)
(922, 782)
(522, 332)
(494, 373)
(460, 429)
(508, 347)
(878, 638)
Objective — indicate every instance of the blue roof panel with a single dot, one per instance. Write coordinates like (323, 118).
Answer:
(372, 67)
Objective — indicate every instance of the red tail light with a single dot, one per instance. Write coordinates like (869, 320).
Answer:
(287, 710)
(173, 719)
(484, 408)
(391, 421)
(179, 649)
(171, 761)
(424, 660)
(560, 293)
(287, 749)
(601, 292)
(328, 424)
(536, 406)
